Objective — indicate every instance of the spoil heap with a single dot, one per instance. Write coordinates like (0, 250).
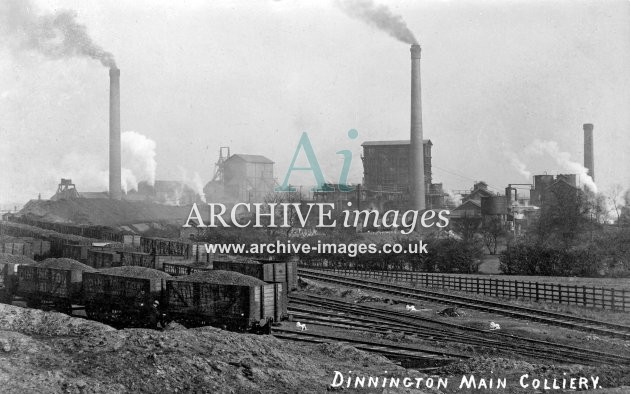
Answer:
(93, 358)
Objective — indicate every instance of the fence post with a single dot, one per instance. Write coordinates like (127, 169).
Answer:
(537, 296)
(559, 294)
(584, 295)
(612, 299)
(623, 300)
(515, 289)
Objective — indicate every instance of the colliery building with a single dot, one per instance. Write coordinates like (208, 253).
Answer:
(386, 174)
(248, 178)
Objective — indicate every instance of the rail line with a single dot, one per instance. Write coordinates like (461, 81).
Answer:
(408, 356)
(373, 319)
(547, 317)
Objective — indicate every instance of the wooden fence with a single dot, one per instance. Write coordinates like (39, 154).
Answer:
(596, 297)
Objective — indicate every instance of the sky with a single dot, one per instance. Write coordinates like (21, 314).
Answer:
(500, 79)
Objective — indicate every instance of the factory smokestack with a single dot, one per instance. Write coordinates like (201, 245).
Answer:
(589, 161)
(416, 148)
(114, 135)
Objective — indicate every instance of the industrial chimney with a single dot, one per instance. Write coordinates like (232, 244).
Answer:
(114, 134)
(416, 149)
(589, 161)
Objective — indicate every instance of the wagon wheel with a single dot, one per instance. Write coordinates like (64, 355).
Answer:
(33, 302)
(64, 306)
(6, 296)
(91, 310)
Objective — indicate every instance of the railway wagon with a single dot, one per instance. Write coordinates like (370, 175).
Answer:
(122, 296)
(75, 252)
(137, 259)
(132, 240)
(162, 246)
(147, 260)
(270, 271)
(30, 247)
(48, 282)
(101, 258)
(57, 242)
(197, 300)
(8, 276)
(185, 267)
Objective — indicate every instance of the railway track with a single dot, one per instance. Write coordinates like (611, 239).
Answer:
(408, 356)
(325, 311)
(531, 314)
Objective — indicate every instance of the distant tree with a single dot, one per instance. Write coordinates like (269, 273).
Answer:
(616, 199)
(292, 219)
(565, 213)
(492, 230)
(466, 227)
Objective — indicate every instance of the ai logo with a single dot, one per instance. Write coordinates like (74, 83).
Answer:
(305, 145)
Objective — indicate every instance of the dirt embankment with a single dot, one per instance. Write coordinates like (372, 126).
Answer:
(54, 353)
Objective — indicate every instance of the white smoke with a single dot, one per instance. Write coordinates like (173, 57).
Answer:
(519, 165)
(454, 197)
(198, 183)
(55, 35)
(563, 159)
(195, 182)
(379, 16)
(89, 171)
(138, 160)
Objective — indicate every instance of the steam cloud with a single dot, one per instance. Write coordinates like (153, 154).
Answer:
(564, 160)
(138, 159)
(380, 17)
(55, 35)
(520, 166)
(89, 171)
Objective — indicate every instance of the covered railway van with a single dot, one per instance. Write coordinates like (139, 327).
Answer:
(225, 299)
(270, 271)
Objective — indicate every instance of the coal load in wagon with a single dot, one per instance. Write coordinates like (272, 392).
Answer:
(123, 283)
(64, 264)
(135, 272)
(222, 278)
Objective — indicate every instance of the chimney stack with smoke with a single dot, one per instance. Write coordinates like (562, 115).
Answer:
(589, 161)
(114, 135)
(416, 148)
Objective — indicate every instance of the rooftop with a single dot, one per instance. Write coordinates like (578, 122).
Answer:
(392, 142)
(251, 158)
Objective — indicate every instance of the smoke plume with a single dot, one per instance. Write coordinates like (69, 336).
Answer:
(138, 160)
(380, 17)
(55, 35)
(519, 166)
(89, 170)
(564, 160)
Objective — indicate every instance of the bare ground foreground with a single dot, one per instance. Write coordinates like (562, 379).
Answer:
(49, 352)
